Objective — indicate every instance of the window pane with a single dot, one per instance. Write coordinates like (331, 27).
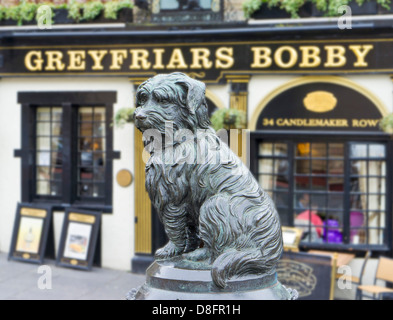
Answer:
(43, 143)
(99, 114)
(43, 114)
(57, 113)
(92, 144)
(99, 129)
(43, 173)
(43, 158)
(280, 149)
(336, 150)
(43, 128)
(266, 182)
(266, 166)
(86, 129)
(48, 152)
(99, 144)
(56, 128)
(358, 150)
(43, 187)
(98, 159)
(169, 4)
(302, 166)
(359, 167)
(266, 149)
(377, 150)
(336, 167)
(319, 166)
(85, 114)
(303, 149)
(318, 150)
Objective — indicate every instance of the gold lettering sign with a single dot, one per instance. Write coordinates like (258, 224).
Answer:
(320, 101)
(82, 218)
(204, 57)
(39, 213)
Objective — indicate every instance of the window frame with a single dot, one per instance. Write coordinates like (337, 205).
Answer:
(291, 137)
(70, 102)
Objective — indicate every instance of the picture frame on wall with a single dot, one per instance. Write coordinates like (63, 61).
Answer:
(78, 238)
(30, 233)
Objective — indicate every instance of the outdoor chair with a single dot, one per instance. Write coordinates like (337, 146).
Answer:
(353, 279)
(384, 273)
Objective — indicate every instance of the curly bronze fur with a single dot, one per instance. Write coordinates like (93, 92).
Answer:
(212, 207)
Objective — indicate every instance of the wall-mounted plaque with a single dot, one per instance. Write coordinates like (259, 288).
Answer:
(124, 178)
(30, 232)
(78, 238)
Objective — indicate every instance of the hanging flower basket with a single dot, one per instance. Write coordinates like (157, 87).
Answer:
(228, 119)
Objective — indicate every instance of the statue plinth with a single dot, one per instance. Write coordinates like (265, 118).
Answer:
(175, 280)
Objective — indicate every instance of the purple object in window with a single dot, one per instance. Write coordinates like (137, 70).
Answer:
(331, 232)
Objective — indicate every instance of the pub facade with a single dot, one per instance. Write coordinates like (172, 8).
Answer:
(313, 94)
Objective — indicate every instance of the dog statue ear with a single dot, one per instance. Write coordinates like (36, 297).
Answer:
(195, 91)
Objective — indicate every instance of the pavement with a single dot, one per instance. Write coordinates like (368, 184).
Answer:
(26, 281)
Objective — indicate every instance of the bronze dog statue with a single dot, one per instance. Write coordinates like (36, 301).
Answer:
(213, 211)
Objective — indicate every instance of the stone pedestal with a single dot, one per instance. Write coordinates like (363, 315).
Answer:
(171, 280)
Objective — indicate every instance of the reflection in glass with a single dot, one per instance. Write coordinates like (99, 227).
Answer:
(92, 149)
(43, 114)
(358, 150)
(266, 149)
(43, 143)
(377, 150)
(43, 128)
(302, 166)
(336, 150)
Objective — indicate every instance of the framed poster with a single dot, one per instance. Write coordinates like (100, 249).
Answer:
(78, 238)
(30, 232)
(291, 238)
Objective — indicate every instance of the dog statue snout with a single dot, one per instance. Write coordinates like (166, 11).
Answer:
(140, 115)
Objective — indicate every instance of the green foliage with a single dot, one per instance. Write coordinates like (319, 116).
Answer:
(386, 123)
(111, 9)
(92, 10)
(27, 11)
(123, 116)
(228, 119)
(327, 7)
(75, 10)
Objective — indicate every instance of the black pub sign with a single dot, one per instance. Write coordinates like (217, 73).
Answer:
(208, 61)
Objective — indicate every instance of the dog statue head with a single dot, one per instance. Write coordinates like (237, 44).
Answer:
(174, 98)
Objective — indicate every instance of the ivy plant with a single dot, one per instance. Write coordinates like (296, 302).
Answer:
(112, 8)
(123, 116)
(228, 119)
(327, 7)
(386, 123)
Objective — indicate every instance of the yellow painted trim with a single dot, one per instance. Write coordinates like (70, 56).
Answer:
(143, 234)
(311, 79)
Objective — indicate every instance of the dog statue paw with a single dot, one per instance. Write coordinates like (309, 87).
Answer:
(211, 206)
(168, 251)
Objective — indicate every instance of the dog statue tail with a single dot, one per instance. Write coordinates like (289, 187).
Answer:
(240, 246)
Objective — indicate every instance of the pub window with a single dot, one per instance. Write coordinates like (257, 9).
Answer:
(167, 11)
(334, 190)
(67, 148)
(186, 4)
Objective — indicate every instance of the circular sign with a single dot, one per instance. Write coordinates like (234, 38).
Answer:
(124, 178)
